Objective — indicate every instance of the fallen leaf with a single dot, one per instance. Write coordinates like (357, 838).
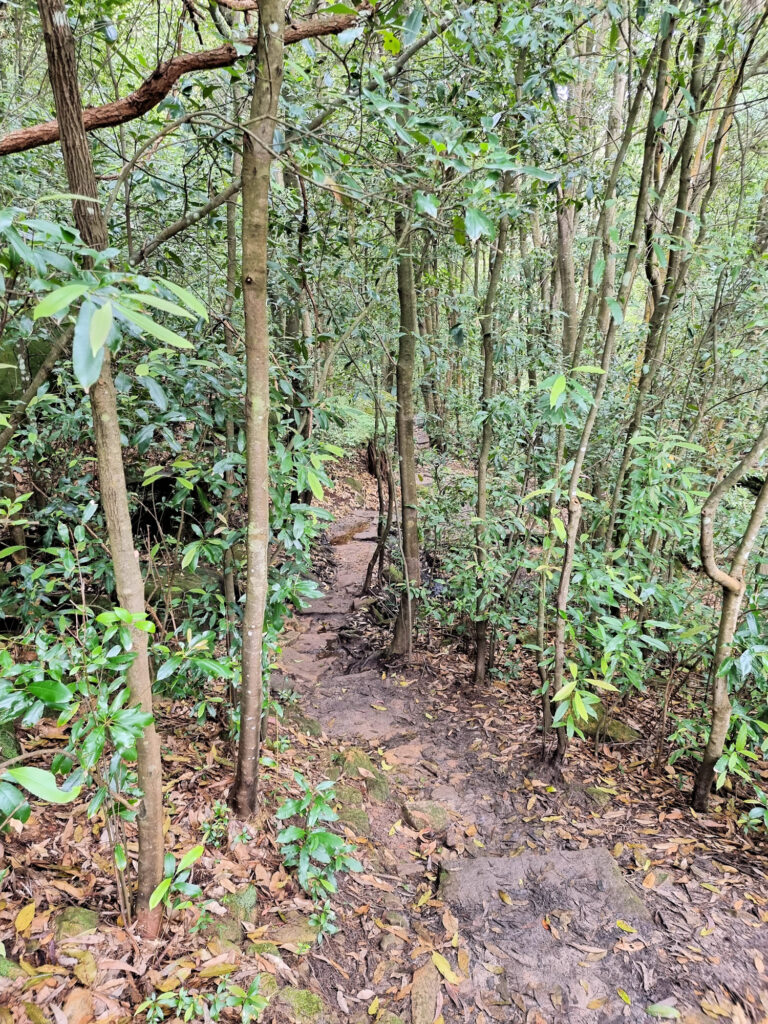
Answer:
(373, 1008)
(445, 969)
(663, 1010)
(623, 995)
(24, 917)
(505, 897)
(78, 1007)
(625, 927)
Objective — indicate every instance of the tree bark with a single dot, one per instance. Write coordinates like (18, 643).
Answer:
(733, 584)
(406, 360)
(257, 160)
(481, 509)
(62, 72)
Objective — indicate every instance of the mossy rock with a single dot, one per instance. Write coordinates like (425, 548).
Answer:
(74, 921)
(259, 948)
(422, 814)
(599, 796)
(607, 727)
(304, 1007)
(376, 784)
(10, 969)
(351, 811)
(308, 725)
(242, 907)
(243, 903)
(268, 986)
(9, 745)
(295, 933)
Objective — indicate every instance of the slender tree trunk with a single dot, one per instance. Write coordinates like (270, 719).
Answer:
(486, 326)
(733, 584)
(406, 360)
(257, 159)
(62, 72)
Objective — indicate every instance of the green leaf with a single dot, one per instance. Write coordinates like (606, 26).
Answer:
(156, 393)
(186, 296)
(147, 299)
(51, 692)
(565, 691)
(101, 324)
(42, 784)
(663, 1010)
(159, 893)
(557, 389)
(539, 172)
(559, 528)
(59, 299)
(476, 223)
(189, 858)
(424, 203)
(588, 369)
(85, 364)
(616, 311)
(314, 483)
(121, 861)
(156, 330)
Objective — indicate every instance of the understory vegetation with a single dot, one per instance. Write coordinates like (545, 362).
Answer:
(510, 257)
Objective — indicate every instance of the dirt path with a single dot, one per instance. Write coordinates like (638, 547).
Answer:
(550, 901)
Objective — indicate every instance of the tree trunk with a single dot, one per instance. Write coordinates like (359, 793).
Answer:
(406, 359)
(734, 585)
(62, 72)
(257, 159)
(481, 510)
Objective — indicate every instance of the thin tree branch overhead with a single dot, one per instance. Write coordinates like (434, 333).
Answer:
(161, 81)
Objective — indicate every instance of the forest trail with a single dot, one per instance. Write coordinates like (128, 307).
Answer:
(588, 897)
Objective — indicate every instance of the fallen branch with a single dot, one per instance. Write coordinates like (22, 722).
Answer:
(161, 81)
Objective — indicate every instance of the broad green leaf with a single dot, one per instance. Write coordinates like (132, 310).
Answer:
(159, 893)
(559, 528)
(476, 223)
(156, 330)
(59, 299)
(101, 325)
(189, 858)
(557, 389)
(146, 299)
(51, 692)
(588, 369)
(85, 364)
(616, 311)
(42, 784)
(565, 691)
(424, 203)
(314, 483)
(186, 297)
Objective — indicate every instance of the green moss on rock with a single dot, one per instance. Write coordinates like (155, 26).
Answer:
(259, 948)
(303, 1006)
(376, 784)
(74, 921)
(10, 969)
(607, 727)
(421, 814)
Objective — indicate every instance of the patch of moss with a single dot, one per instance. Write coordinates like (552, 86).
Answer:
(242, 904)
(376, 784)
(303, 1005)
(9, 745)
(74, 921)
(260, 947)
(610, 728)
(9, 968)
